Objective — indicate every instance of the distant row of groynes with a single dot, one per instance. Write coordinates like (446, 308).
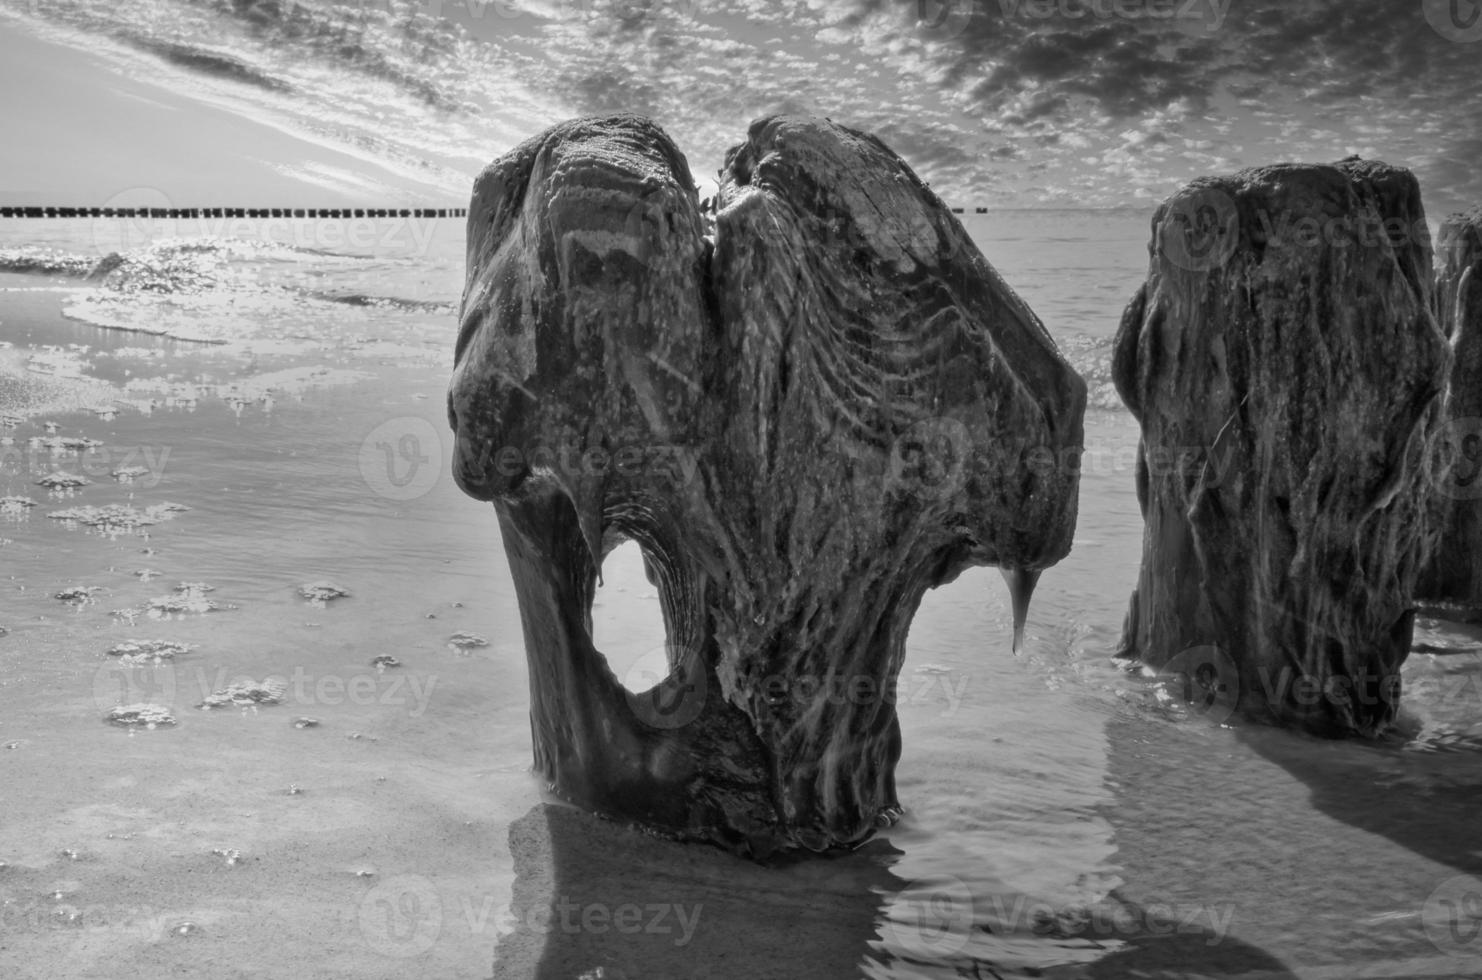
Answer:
(166, 214)
(185, 213)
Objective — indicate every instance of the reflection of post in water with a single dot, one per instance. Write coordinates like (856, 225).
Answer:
(589, 893)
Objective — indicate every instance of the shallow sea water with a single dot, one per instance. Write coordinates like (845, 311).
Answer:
(1062, 820)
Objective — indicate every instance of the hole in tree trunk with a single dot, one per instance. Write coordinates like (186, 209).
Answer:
(627, 623)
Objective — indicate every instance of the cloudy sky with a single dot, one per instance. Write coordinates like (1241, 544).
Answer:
(997, 103)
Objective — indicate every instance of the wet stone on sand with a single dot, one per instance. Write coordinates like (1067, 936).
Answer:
(231, 855)
(79, 595)
(465, 643)
(322, 592)
(247, 695)
(147, 716)
(63, 444)
(61, 480)
(188, 597)
(116, 517)
(16, 506)
(134, 653)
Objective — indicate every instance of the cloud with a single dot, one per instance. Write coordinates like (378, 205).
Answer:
(1008, 100)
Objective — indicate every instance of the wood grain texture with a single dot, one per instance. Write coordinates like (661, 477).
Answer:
(1283, 362)
(1454, 575)
(831, 403)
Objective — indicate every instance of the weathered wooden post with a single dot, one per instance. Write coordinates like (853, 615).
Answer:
(805, 421)
(1284, 344)
(1454, 574)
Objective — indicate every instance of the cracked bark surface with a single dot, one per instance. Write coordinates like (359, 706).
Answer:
(807, 408)
(1454, 575)
(1283, 363)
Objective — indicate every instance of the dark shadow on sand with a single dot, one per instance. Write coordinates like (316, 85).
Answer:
(1173, 944)
(592, 894)
(1427, 801)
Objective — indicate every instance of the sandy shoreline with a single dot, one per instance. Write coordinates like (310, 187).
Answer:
(139, 853)
(1059, 824)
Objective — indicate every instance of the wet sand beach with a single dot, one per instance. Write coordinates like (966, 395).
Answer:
(1062, 819)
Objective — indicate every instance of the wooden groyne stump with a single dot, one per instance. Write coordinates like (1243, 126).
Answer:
(1282, 360)
(807, 406)
(1454, 575)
